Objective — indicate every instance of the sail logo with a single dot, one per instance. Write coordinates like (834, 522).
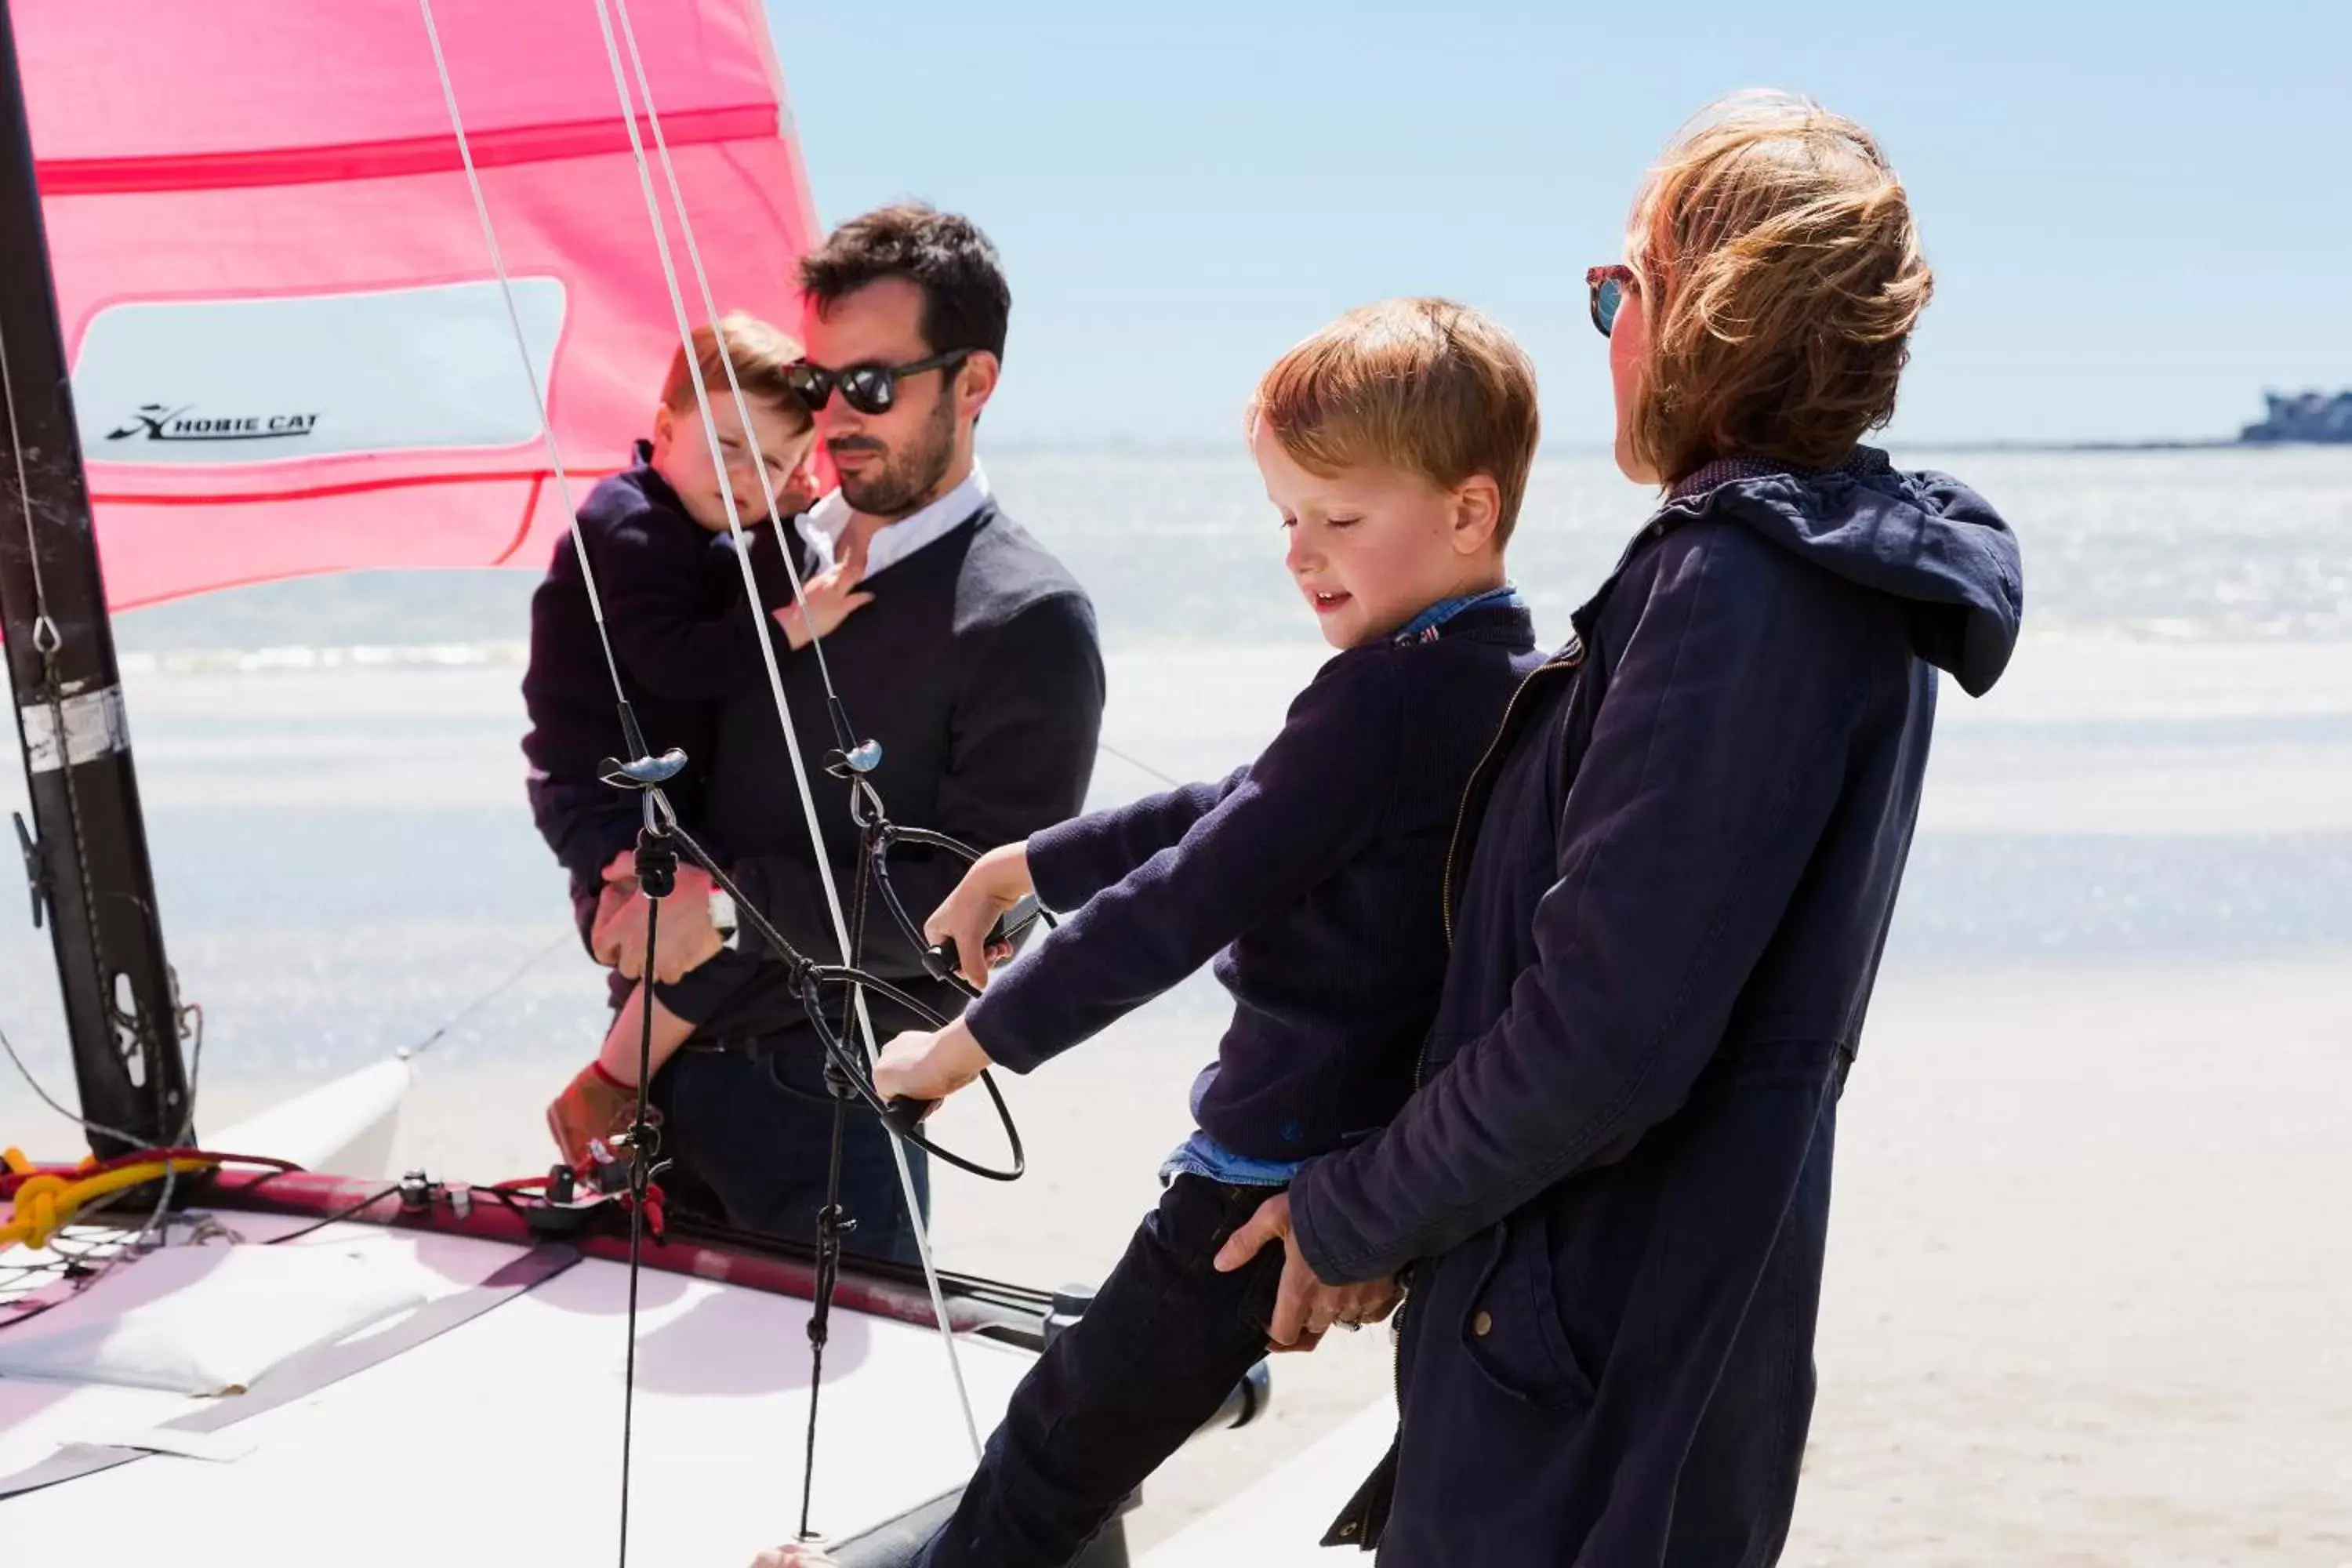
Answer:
(258, 380)
(161, 422)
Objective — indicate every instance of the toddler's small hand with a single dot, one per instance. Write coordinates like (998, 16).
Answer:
(830, 598)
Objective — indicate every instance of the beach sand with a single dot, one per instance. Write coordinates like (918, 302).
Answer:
(2089, 1277)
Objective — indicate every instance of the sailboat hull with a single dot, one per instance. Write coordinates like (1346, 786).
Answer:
(497, 1439)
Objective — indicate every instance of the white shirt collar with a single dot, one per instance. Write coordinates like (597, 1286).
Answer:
(822, 524)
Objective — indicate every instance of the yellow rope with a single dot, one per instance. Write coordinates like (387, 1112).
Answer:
(47, 1202)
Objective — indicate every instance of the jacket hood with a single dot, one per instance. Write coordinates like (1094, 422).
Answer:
(1919, 536)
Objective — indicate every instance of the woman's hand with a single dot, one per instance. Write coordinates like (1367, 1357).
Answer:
(1304, 1308)
(996, 881)
(830, 597)
(919, 1066)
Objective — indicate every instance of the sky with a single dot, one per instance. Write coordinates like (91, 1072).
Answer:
(2140, 216)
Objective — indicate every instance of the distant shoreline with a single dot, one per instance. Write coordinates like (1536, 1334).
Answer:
(2231, 444)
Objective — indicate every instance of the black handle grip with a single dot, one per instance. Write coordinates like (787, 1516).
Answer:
(903, 1116)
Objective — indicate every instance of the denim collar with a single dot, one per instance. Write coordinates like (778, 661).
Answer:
(1425, 625)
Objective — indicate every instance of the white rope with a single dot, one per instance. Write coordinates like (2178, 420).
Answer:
(523, 346)
(767, 645)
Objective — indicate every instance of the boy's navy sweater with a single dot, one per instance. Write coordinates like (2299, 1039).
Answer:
(1313, 877)
(674, 604)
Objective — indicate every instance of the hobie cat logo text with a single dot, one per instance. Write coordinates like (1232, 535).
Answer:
(160, 422)
(223, 384)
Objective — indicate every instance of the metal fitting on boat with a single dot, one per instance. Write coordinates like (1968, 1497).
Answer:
(1070, 1304)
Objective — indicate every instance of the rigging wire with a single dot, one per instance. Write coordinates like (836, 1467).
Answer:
(735, 529)
(44, 630)
(347, 1212)
(486, 998)
(47, 641)
(155, 1217)
(523, 345)
(767, 647)
(1107, 749)
(603, 637)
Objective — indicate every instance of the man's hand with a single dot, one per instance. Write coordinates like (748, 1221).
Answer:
(689, 939)
(608, 934)
(919, 1066)
(996, 881)
(1304, 1307)
(830, 597)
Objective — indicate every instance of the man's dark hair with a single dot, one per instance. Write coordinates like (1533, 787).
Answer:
(965, 298)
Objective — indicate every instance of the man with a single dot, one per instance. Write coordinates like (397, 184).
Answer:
(963, 648)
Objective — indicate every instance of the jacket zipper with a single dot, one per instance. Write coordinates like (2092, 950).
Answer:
(1569, 658)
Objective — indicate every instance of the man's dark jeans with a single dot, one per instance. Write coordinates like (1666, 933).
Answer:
(1163, 1344)
(755, 1129)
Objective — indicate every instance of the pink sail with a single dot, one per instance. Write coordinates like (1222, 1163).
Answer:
(290, 353)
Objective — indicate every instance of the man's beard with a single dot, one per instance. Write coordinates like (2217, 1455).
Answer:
(904, 480)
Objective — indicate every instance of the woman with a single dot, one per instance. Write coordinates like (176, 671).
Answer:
(1688, 836)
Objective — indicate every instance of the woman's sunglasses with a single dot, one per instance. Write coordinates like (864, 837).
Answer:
(868, 388)
(1610, 285)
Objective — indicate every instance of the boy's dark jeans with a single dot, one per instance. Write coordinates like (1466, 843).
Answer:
(1155, 1356)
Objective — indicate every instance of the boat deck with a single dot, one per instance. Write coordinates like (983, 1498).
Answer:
(497, 1440)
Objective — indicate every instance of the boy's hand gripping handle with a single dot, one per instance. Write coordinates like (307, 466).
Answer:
(942, 961)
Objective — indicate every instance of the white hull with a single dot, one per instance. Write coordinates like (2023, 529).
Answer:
(346, 1126)
(378, 1439)
(499, 1442)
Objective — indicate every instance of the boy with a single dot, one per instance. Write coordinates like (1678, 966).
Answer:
(674, 607)
(1396, 445)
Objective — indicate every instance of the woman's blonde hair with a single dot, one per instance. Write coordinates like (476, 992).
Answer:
(1781, 278)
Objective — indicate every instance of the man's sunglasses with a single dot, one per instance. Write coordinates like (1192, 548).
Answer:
(1610, 285)
(868, 388)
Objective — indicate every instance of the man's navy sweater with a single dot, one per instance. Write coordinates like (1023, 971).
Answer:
(674, 605)
(1313, 877)
(977, 671)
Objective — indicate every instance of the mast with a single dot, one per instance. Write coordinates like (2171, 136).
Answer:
(87, 863)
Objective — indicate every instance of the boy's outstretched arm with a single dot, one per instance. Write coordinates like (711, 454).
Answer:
(1306, 806)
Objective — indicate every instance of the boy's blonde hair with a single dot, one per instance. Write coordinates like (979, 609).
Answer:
(760, 352)
(1425, 386)
(1781, 277)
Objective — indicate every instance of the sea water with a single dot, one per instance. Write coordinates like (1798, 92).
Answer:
(344, 862)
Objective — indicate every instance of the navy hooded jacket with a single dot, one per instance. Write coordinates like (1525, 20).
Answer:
(1689, 838)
